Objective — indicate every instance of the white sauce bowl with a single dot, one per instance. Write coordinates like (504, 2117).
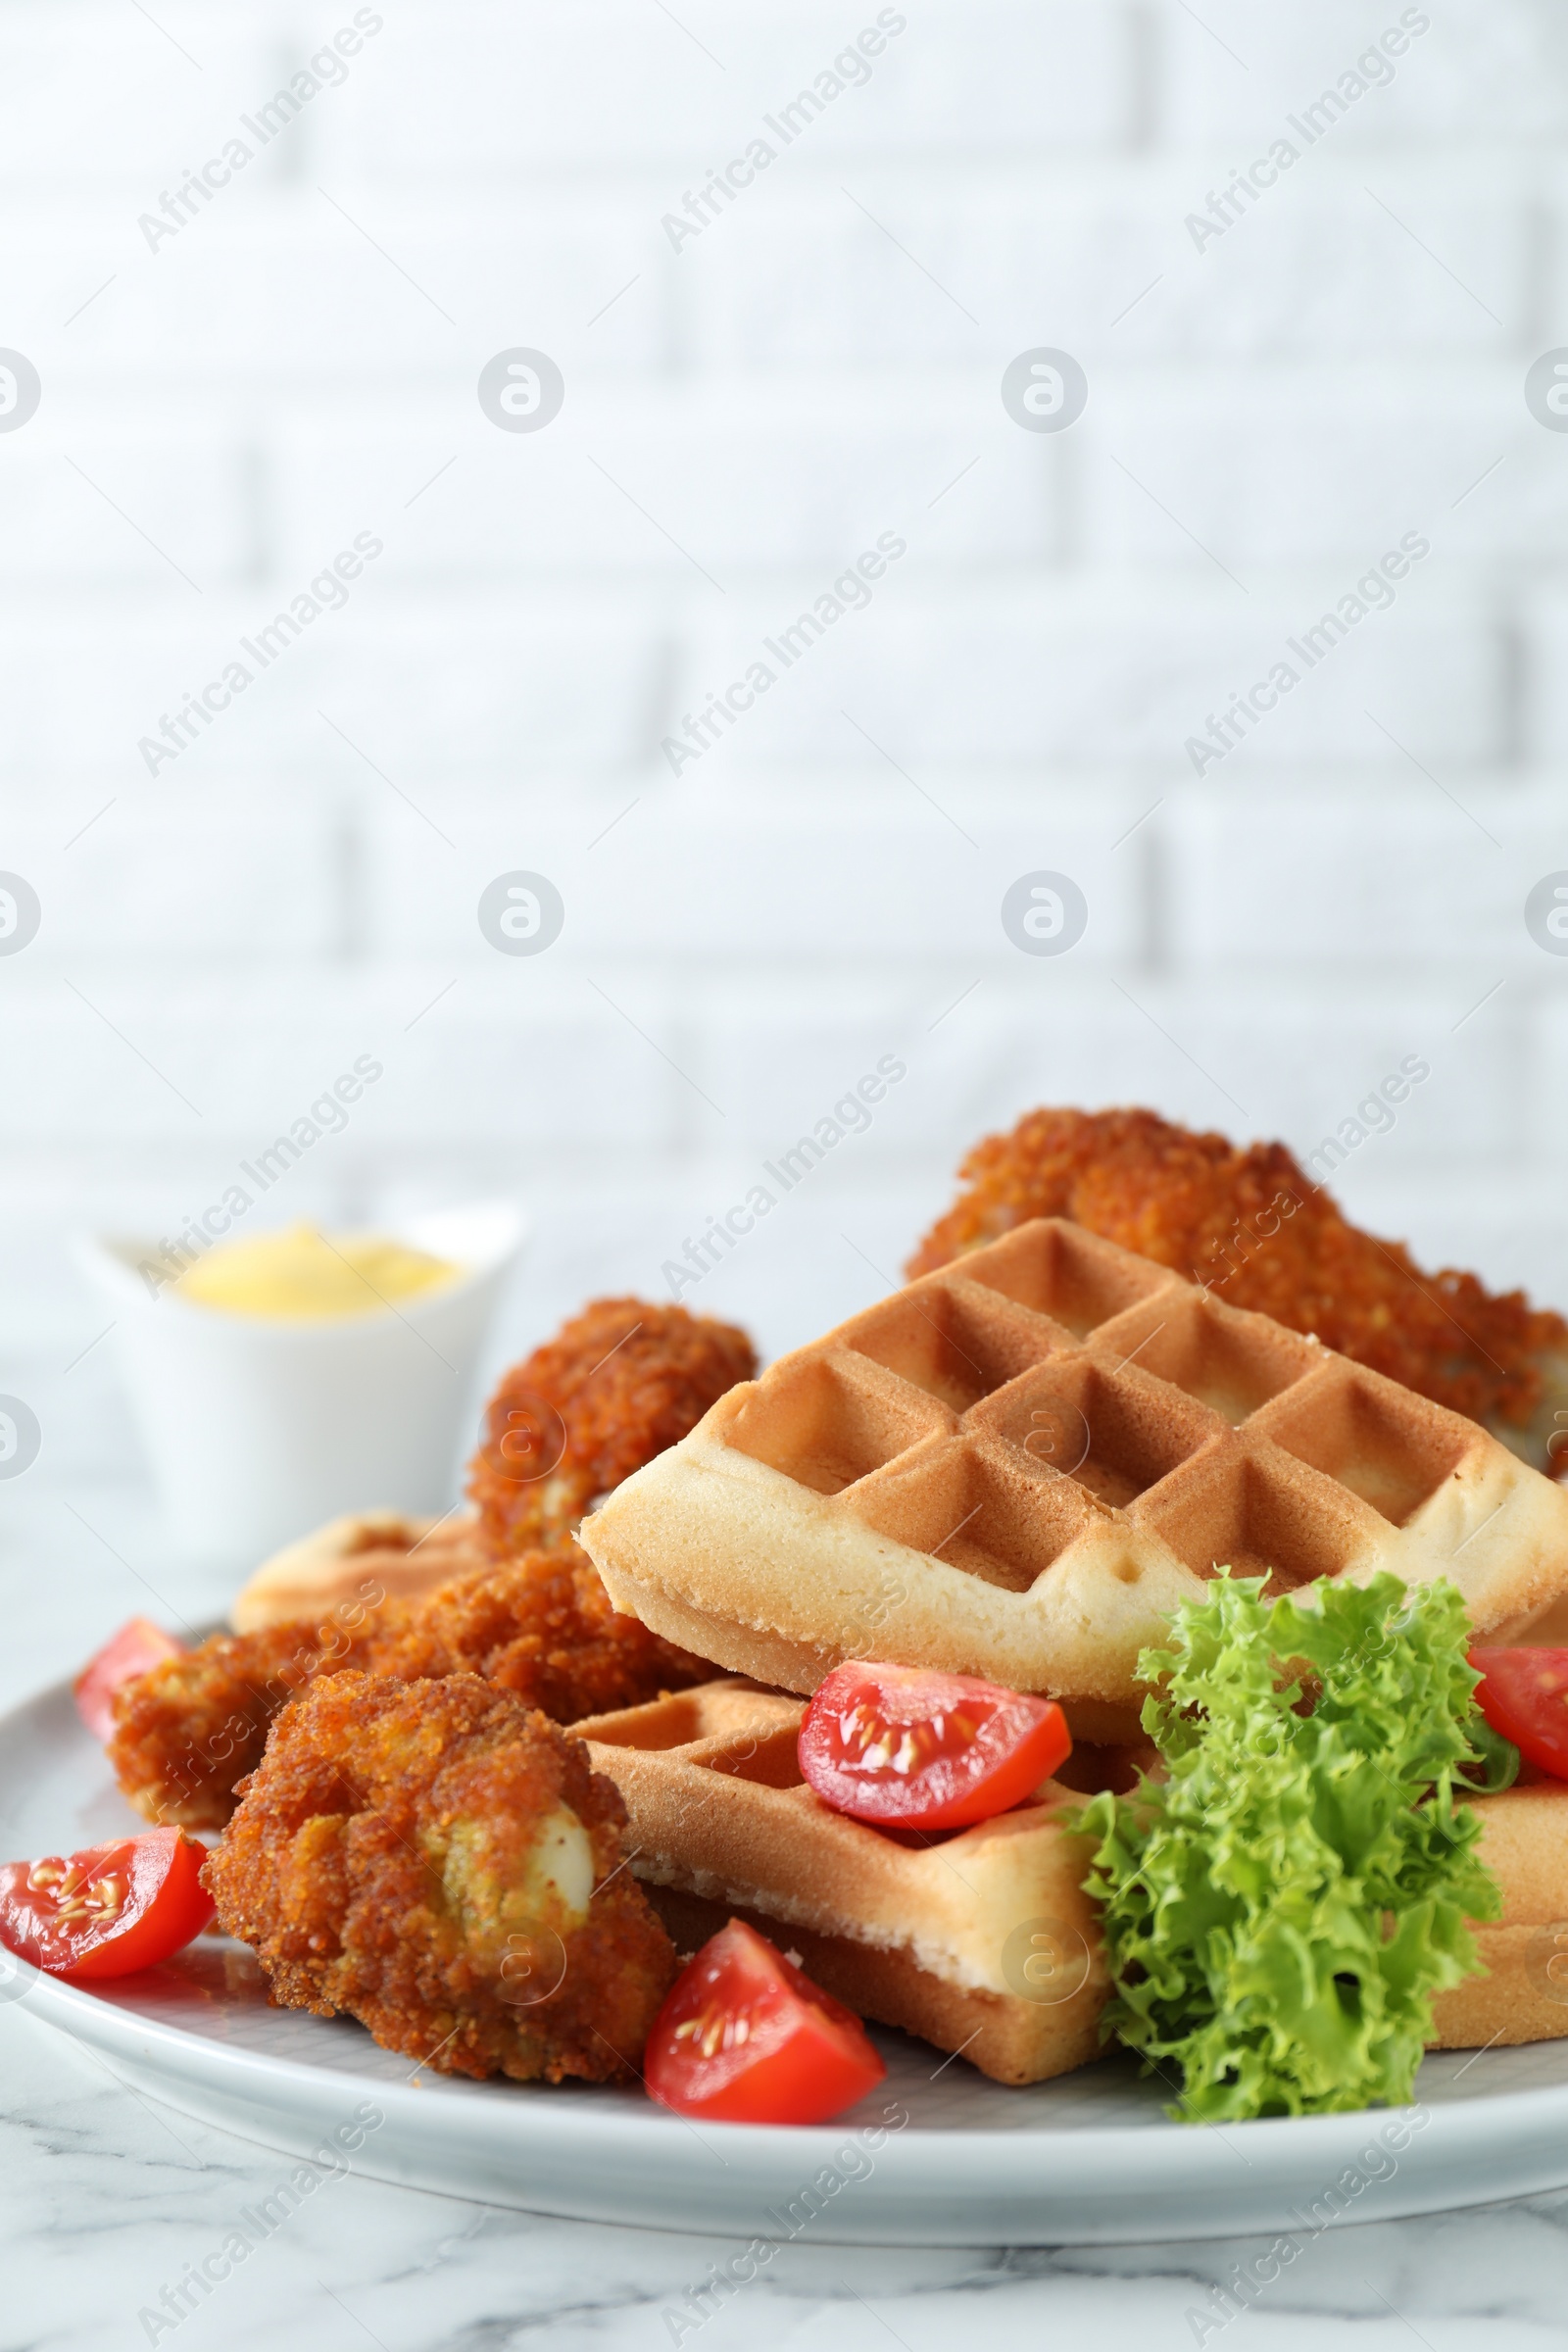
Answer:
(258, 1429)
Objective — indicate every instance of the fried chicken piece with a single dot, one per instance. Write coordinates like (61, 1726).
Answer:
(193, 1727)
(616, 1385)
(1251, 1227)
(540, 1627)
(440, 1862)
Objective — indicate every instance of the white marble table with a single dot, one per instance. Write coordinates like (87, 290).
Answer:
(104, 2198)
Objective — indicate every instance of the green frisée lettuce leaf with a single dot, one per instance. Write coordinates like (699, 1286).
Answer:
(1500, 1759)
(1280, 1908)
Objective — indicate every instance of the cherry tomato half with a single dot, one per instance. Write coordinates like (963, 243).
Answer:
(138, 1647)
(744, 2037)
(107, 1910)
(907, 1747)
(1523, 1694)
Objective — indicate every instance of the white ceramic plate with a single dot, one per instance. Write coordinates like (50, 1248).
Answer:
(1088, 2159)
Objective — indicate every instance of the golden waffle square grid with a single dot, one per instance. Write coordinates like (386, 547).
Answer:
(752, 1737)
(990, 1412)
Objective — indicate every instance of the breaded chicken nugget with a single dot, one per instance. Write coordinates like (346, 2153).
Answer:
(616, 1385)
(440, 1862)
(186, 1732)
(1252, 1226)
(540, 1625)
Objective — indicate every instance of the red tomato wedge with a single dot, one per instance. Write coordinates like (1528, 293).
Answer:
(1523, 1694)
(905, 1747)
(138, 1645)
(744, 2037)
(107, 1910)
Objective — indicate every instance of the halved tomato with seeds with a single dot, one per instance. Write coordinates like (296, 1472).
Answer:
(107, 1910)
(746, 2038)
(905, 1747)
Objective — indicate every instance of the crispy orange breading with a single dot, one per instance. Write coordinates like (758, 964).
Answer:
(186, 1732)
(616, 1385)
(541, 1627)
(440, 1861)
(1258, 1233)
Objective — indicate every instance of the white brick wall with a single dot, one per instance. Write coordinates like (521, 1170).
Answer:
(743, 417)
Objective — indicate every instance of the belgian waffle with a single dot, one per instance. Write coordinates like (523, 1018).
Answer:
(1019, 1465)
(1524, 1994)
(344, 1562)
(980, 1940)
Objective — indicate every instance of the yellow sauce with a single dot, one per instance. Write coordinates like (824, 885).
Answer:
(301, 1276)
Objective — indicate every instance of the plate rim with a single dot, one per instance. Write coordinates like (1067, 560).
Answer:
(1167, 2170)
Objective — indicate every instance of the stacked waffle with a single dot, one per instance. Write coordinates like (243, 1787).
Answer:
(900, 1929)
(1017, 1467)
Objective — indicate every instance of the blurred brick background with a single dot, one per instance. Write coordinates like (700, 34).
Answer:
(743, 416)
